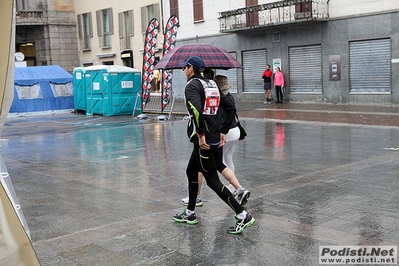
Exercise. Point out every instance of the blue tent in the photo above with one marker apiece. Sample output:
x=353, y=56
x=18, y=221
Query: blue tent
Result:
x=42, y=88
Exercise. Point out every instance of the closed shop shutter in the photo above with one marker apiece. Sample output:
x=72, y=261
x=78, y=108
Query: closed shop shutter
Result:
x=305, y=67
x=370, y=66
x=254, y=63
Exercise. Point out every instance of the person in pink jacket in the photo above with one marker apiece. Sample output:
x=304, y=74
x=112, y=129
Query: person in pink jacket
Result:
x=278, y=84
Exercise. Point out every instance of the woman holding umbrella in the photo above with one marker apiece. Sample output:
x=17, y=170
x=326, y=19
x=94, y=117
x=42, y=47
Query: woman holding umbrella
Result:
x=207, y=135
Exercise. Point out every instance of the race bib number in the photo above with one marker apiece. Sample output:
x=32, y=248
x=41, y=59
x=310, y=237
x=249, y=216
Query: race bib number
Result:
x=212, y=99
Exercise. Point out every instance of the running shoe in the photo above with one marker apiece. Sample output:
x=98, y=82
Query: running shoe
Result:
x=241, y=224
x=184, y=218
x=242, y=195
x=198, y=203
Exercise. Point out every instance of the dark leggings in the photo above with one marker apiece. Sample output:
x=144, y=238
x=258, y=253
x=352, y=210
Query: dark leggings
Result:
x=279, y=94
x=205, y=161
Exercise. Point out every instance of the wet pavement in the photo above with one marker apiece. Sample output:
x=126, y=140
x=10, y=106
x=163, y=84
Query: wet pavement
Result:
x=102, y=190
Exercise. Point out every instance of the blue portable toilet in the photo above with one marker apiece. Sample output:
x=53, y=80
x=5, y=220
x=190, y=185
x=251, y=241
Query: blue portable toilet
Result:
x=79, y=99
x=112, y=90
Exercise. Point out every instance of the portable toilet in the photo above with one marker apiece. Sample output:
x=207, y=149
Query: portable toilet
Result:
x=79, y=91
x=112, y=90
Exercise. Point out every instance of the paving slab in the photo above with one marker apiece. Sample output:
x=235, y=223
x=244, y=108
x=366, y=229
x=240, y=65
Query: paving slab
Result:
x=102, y=190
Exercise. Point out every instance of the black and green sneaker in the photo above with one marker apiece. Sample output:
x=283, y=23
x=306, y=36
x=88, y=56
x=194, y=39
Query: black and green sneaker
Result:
x=184, y=218
x=241, y=224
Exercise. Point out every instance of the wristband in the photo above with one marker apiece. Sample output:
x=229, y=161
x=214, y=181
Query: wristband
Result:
x=200, y=134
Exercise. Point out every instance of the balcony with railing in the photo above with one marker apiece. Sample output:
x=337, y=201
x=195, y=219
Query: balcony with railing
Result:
x=276, y=13
x=30, y=17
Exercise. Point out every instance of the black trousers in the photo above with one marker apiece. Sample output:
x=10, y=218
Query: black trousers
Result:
x=279, y=94
x=206, y=162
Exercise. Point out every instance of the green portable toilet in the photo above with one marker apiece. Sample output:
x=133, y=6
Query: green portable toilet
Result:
x=79, y=98
x=113, y=90
x=125, y=87
x=97, y=94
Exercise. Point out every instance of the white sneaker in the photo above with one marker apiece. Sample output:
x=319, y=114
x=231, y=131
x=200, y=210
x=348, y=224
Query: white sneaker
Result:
x=242, y=195
x=264, y=102
x=198, y=203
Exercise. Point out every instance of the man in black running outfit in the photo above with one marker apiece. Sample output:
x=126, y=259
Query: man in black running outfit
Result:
x=203, y=99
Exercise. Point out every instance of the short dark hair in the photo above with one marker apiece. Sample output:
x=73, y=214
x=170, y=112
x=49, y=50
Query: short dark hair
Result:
x=209, y=73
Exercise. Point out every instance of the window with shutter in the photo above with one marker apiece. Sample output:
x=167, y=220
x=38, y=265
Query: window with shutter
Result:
x=147, y=14
x=22, y=5
x=87, y=30
x=125, y=22
x=174, y=7
x=198, y=10
x=252, y=17
x=105, y=26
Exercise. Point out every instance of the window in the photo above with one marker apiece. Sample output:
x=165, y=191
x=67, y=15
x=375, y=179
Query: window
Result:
x=198, y=10
x=303, y=10
x=105, y=26
x=366, y=55
x=29, y=92
x=22, y=5
x=174, y=7
x=148, y=13
x=126, y=28
x=85, y=30
x=62, y=90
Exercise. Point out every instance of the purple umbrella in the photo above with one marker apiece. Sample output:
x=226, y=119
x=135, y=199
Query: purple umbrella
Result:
x=213, y=56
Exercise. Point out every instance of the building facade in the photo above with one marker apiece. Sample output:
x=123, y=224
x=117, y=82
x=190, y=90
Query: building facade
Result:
x=330, y=51
x=113, y=32
x=46, y=33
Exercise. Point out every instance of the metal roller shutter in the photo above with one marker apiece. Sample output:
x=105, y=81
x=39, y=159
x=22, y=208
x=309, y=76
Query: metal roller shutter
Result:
x=365, y=58
x=254, y=63
x=305, y=69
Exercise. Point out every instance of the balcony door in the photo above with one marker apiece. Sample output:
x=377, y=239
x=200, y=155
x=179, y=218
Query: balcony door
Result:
x=252, y=17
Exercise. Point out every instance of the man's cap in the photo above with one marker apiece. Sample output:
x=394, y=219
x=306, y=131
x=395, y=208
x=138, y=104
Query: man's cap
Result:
x=222, y=82
x=195, y=61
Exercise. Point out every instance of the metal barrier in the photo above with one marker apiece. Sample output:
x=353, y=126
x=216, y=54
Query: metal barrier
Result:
x=154, y=104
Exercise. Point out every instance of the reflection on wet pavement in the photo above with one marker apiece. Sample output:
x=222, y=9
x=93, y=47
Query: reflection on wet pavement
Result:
x=102, y=191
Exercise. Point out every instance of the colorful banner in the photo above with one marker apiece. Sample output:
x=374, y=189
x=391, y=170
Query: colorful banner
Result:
x=168, y=44
x=149, y=59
